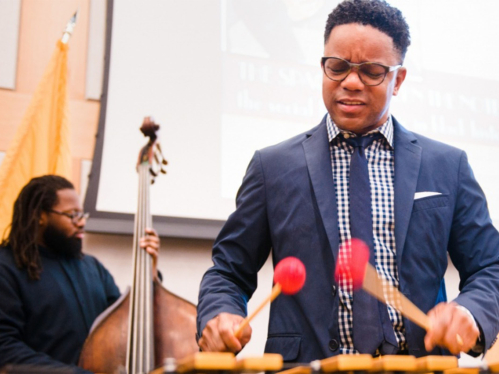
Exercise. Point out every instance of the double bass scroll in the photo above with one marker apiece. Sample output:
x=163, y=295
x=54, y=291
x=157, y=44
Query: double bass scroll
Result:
x=148, y=323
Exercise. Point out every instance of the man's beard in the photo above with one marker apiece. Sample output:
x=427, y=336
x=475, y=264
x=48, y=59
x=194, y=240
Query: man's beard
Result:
x=61, y=244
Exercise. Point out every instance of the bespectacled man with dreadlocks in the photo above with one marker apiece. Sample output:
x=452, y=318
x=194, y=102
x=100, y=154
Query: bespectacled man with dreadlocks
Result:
x=50, y=291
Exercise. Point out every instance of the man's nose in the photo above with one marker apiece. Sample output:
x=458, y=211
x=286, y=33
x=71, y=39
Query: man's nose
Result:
x=81, y=222
x=352, y=81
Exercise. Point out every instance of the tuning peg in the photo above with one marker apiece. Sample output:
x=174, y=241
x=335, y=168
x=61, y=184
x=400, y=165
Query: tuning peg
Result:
x=153, y=173
x=165, y=162
x=158, y=149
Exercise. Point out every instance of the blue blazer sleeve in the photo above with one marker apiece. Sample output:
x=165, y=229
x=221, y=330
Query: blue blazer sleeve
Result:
x=241, y=249
x=474, y=250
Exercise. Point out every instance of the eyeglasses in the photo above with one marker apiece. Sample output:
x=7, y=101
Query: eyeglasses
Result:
x=370, y=73
x=75, y=217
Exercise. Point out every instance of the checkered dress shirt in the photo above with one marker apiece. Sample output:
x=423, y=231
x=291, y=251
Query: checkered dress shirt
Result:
x=380, y=160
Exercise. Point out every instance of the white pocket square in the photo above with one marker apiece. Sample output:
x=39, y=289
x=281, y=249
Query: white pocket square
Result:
x=420, y=195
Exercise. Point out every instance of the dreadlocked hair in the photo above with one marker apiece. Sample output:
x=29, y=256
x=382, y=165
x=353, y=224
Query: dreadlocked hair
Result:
x=39, y=195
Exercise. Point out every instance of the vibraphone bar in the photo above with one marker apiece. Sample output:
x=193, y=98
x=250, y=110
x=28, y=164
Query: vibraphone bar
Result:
x=206, y=362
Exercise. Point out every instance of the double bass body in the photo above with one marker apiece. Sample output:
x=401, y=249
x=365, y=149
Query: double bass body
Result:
x=174, y=333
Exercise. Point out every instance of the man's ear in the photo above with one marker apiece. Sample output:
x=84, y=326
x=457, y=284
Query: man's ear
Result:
x=43, y=220
x=400, y=77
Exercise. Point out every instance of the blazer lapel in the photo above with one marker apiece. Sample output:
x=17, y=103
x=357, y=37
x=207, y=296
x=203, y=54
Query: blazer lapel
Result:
x=318, y=158
x=407, y=164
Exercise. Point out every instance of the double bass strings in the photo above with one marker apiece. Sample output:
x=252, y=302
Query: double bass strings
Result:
x=140, y=352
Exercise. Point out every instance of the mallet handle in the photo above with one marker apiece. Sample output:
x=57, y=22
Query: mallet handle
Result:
x=276, y=290
x=374, y=286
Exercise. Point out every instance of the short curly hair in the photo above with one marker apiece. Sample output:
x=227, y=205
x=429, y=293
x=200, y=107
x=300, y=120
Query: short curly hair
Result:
x=376, y=13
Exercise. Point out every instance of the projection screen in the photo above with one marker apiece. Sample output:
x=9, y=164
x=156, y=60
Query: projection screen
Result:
x=224, y=78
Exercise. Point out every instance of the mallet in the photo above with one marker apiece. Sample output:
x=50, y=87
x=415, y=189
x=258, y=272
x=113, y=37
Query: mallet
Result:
x=364, y=275
x=289, y=278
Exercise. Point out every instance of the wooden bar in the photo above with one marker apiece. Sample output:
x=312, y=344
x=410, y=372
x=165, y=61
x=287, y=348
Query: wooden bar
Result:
x=436, y=363
x=268, y=362
x=394, y=363
x=202, y=361
x=347, y=363
x=494, y=367
x=298, y=370
x=462, y=371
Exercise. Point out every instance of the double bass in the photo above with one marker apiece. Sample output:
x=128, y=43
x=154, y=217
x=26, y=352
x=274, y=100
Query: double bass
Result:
x=148, y=323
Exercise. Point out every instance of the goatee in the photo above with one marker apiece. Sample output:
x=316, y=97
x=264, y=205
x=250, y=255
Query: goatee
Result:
x=61, y=244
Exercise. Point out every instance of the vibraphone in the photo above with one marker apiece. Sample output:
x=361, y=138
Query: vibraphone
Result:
x=205, y=362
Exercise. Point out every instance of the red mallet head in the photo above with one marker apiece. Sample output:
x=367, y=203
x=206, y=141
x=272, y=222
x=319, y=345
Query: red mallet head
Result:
x=290, y=274
x=353, y=265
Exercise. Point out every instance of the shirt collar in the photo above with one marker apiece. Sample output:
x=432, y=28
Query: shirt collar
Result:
x=386, y=130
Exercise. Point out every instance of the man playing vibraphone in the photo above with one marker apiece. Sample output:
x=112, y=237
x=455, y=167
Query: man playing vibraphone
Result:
x=358, y=174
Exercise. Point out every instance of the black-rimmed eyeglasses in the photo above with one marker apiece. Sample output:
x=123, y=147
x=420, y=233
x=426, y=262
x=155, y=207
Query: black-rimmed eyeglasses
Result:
x=370, y=73
x=75, y=217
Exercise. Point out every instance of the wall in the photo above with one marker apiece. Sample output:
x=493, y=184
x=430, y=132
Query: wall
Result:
x=41, y=24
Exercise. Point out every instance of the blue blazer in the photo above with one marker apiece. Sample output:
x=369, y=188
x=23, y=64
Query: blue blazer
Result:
x=287, y=203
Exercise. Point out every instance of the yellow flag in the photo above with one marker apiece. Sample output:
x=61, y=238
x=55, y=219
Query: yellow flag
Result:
x=41, y=143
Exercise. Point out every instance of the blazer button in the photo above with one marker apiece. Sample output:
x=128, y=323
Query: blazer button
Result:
x=333, y=345
x=333, y=290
